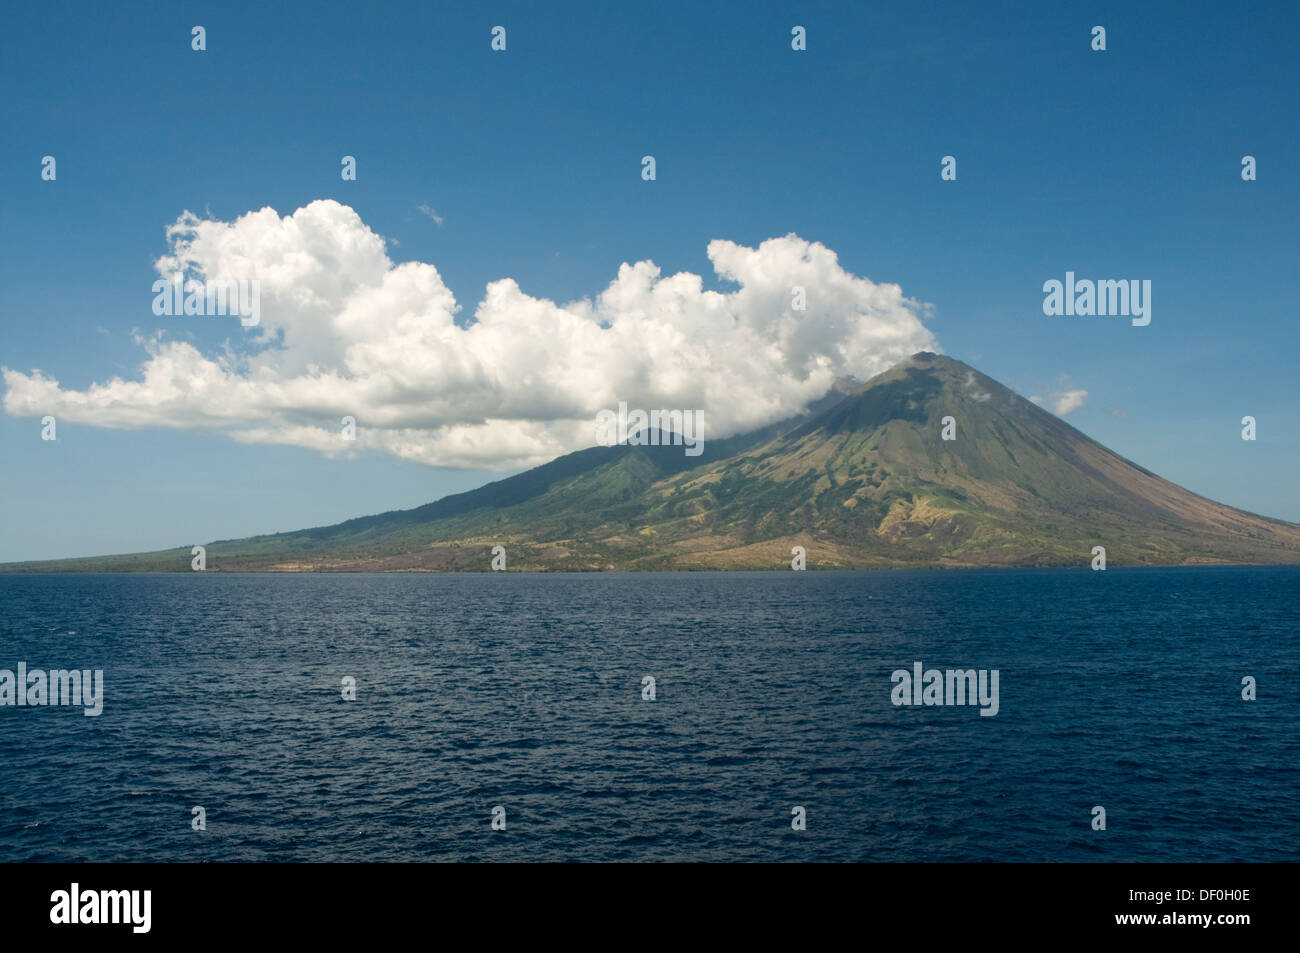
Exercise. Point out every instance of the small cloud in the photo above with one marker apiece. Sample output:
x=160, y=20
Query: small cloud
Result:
x=972, y=388
x=1062, y=402
x=432, y=213
x=101, y=329
x=1119, y=413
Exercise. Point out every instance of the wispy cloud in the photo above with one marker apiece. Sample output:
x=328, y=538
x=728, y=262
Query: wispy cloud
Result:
x=432, y=213
x=973, y=389
x=1062, y=402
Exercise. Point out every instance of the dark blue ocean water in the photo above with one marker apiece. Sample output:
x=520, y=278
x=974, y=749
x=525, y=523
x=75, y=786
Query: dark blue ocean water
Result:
x=1120, y=689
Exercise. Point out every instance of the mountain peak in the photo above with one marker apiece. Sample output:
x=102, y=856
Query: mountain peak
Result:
x=930, y=463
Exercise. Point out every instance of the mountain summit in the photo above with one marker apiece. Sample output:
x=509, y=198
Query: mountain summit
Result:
x=864, y=480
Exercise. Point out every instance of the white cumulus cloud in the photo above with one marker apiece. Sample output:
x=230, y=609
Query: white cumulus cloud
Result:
x=347, y=332
x=1062, y=402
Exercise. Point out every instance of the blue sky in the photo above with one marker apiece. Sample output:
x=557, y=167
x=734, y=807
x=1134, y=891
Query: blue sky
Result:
x=1117, y=164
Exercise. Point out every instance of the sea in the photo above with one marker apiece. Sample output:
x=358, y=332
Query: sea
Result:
x=512, y=717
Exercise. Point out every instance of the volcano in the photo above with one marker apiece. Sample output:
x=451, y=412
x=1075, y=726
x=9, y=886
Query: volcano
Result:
x=929, y=464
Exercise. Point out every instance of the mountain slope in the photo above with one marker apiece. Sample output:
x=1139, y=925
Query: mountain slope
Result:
x=872, y=482
x=866, y=480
